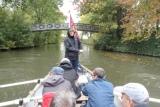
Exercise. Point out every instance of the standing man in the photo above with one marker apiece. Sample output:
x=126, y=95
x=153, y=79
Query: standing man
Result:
x=72, y=48
x=99, y=91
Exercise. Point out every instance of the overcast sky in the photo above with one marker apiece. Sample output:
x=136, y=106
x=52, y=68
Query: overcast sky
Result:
x=68, y=6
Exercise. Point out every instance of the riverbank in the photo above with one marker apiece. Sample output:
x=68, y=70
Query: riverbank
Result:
x=49, y=39
x=111, y=43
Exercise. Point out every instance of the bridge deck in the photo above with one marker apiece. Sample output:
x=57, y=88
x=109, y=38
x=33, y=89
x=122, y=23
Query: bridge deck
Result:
x=54, y=26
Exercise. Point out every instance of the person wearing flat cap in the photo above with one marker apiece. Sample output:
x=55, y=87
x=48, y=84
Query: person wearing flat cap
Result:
x=131, y=95
x=55, y=81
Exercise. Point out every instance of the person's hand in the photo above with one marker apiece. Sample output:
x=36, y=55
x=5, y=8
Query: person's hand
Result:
x=80, y=50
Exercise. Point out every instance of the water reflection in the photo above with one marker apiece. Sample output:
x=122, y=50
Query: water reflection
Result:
x=35, y=63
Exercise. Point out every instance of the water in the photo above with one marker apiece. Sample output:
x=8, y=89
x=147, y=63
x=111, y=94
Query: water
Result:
x=21, y=65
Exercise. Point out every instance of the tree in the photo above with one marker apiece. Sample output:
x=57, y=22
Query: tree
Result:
x=101, y=12
x=135, y=20
x=16, y=17
x=141, y=20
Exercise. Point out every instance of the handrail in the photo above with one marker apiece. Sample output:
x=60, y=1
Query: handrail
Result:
x=21, y=83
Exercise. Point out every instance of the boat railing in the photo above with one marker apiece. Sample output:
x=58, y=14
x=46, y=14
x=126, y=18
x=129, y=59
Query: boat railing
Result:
x=21, y=83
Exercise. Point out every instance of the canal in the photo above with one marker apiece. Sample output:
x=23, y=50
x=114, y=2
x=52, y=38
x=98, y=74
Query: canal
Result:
x=27, y=64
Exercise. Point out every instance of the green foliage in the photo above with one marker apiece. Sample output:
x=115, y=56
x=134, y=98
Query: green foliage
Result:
x=138, y=19
x=43, y=11
x=14, y=30
x=111, y=42
x=141, y=20
x=16, y=17
x=100, y=12
x=107, y=42
x=129, y=25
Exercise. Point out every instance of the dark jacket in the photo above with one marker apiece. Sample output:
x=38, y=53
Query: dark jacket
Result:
x=56, y=83
x=71, y=75
x=99, y=92
x=72, y=46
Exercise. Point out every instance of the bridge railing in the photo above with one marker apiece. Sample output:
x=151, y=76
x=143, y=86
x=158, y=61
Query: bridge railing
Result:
x=64, y=26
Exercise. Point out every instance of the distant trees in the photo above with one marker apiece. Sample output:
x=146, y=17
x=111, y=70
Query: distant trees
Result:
x=138, y=19
x=141, y=20
x=100, y=12
x=16, y=17
x=127, y=25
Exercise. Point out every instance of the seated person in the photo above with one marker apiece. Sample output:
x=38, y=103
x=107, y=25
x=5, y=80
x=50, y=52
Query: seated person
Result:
x=55, y=81
x=64, y=99
x=98, y=90
x=70, y=74
x=131, y=95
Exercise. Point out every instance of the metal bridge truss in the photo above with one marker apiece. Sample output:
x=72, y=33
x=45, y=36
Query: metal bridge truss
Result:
x=64, y=26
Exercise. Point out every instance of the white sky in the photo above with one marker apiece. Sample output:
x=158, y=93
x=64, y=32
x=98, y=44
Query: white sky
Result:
x=68, y=6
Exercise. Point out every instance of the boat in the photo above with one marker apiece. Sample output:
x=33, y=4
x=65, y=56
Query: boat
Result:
x=35, y=95
x=34, y=99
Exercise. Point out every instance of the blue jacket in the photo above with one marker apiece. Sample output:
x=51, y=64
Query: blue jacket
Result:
x=99, y=92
